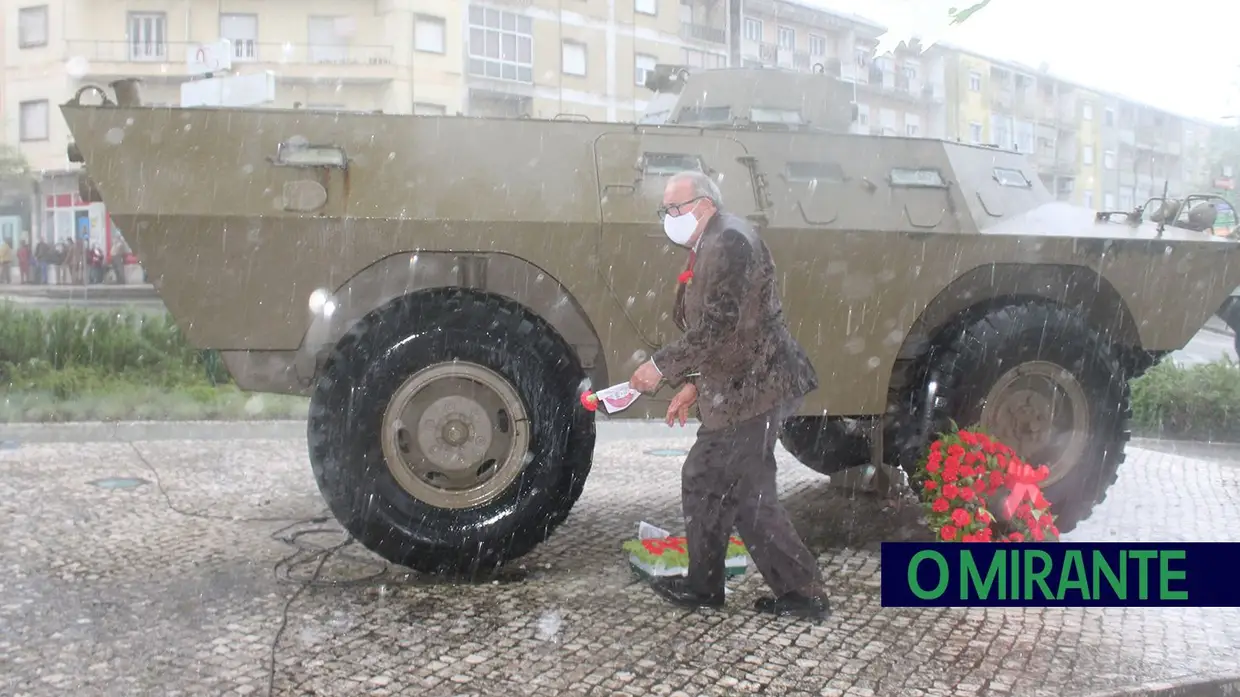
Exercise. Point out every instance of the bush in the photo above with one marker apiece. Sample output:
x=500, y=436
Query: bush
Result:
x=1198, y=402
x=73, y=351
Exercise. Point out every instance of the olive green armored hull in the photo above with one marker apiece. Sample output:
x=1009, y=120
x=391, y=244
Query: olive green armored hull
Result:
x=878, y=240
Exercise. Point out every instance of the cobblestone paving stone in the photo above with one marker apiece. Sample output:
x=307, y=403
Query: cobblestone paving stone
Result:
x=112, y=592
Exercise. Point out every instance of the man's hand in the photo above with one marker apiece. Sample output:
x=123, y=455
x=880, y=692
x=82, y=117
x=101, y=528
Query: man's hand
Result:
x=679, y=408
x=646, y=378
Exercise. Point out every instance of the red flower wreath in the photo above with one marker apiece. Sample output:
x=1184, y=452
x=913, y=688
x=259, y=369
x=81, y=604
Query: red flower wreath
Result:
x=961, y=476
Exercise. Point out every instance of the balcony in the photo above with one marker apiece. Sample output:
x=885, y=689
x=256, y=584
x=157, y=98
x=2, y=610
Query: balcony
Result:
x=703, y=33
x=1003, y=99
x=296, y=62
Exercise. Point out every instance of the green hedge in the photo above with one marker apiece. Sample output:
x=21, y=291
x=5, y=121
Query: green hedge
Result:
x=1200, y=402
x=80, y=364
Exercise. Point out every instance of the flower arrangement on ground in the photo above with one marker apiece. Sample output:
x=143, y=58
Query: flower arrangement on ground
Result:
x=657, y=553
x=966, y=477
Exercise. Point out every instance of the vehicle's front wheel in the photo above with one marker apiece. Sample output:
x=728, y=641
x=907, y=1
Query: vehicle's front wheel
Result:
x=1040, y=379
x=445, y=435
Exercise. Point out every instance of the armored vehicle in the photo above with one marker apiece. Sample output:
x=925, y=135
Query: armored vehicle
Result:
x=443, y=288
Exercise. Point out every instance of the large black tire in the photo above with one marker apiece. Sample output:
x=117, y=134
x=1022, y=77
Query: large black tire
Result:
x=368, y=368
x=978, y=353
x=825, y=445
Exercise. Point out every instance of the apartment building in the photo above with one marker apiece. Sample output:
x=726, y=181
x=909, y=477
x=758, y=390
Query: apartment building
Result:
x=900, y=95
x=1090, y=147
x=541, y=58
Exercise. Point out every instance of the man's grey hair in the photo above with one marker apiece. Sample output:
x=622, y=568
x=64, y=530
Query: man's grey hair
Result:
x=703, y=185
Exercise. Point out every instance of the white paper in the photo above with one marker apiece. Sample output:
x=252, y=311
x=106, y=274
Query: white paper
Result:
x=646, y=531
x=617, y=397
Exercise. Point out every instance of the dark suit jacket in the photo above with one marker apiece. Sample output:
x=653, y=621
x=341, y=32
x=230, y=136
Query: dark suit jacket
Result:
x=735, y=333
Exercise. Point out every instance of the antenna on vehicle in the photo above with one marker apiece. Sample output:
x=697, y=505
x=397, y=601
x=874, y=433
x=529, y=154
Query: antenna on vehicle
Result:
x=1162, y=223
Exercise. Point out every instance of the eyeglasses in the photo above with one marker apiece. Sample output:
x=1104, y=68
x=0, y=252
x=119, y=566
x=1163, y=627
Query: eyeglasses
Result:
x=676, y=209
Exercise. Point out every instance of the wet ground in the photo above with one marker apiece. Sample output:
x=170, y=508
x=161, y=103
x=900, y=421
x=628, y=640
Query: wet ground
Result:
x=168, y=587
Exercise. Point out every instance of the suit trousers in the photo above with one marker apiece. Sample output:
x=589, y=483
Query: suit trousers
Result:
x=729, y=480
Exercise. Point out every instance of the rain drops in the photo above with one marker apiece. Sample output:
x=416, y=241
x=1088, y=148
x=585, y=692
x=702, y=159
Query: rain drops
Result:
x=115, y=135
x=322, y=303
x=77, y=66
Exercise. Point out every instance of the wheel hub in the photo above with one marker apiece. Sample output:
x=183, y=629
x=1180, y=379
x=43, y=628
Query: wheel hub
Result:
x=1040, y=410
x=455, y=435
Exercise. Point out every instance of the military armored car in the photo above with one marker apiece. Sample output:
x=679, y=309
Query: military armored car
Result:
x=442, y=288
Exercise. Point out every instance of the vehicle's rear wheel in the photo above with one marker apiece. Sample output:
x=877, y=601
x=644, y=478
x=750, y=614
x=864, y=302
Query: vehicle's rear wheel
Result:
x=445, y=432
x=825, y=445
x=1039, y=378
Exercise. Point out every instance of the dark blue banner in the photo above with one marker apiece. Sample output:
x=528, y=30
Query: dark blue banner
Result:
x=1061, y=574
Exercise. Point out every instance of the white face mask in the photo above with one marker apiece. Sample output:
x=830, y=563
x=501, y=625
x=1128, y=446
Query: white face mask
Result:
x=680, y=229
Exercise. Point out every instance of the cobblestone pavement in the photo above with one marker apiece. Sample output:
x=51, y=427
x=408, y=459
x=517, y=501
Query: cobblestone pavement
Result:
x=132, y=591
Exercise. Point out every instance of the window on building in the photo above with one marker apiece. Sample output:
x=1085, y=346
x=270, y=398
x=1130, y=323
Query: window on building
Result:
x=862, y=57
x=1088, y=199
x=1108, y=159
x=429, y=34
x=1087, y=155
x=912, y=125
x=1108, y=116
x=975, y=133
x=32, y=27
x=501, y=44
x=975, y=81
x=1087, y=111
x=753, y=29
x=573, y=58
x=646, y=7
x=887, y=121
x=242, y=31
x=1125, y=200
x=1108, y=202
x=863, y=114
x=148, y=36
x=909, y=71
x=704, y=59
x=428, y=109
x=643, y=65
x=788, y=38
x=817, y=45
x=328, y=39
x=34, y=120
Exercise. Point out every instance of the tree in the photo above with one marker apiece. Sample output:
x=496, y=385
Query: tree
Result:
x=959, y=16
x=14, y=169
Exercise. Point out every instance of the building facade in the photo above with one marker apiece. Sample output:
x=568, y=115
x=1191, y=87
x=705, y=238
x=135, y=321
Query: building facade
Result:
x=1090, y=147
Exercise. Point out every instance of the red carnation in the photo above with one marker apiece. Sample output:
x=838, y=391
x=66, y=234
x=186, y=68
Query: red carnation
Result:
x=948, y=533
x=931, y=485
x=966, y=494
x=940, y=505
x=961, y=518
x=1016, y=537
x=951, y=491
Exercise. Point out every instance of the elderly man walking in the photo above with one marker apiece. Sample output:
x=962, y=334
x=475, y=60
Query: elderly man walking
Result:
x=751, y=375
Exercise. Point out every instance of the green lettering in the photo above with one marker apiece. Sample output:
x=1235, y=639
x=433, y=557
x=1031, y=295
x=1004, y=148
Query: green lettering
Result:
x=1014, y=564
x=1073, y=562
x=1143, y=577
x=912, y=574
x=1165, y=574
x=1038, y=577
x=1103, y=568
x=970, y=578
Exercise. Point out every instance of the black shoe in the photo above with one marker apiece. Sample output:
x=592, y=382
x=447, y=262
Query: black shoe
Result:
x=795, y=605
x=675, y=589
